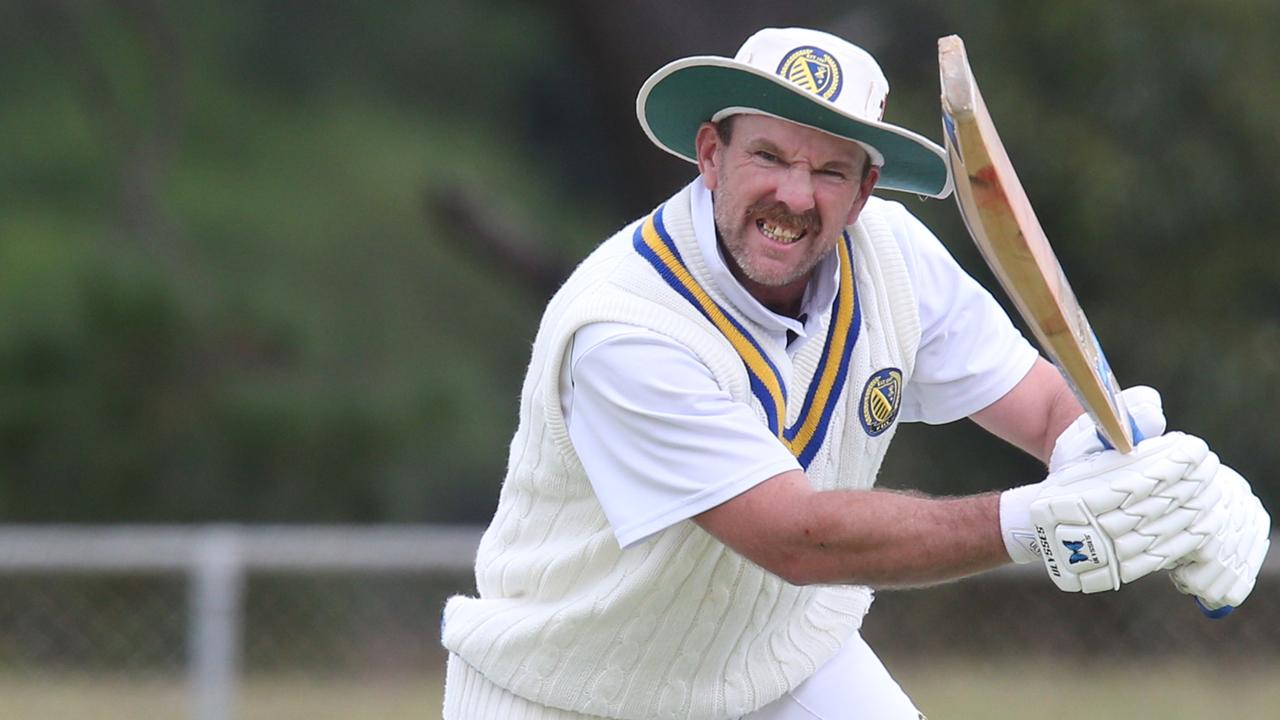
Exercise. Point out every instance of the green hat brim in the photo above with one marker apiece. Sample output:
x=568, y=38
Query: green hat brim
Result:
x=677, y=99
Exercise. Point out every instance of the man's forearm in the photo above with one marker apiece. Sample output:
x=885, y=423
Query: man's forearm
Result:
x=890, y=539
x=872, y=537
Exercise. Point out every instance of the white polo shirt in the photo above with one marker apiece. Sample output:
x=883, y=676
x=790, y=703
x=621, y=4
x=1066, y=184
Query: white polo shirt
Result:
x=662, y=442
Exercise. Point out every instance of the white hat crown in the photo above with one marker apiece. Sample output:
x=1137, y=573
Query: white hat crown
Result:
x=834, y=69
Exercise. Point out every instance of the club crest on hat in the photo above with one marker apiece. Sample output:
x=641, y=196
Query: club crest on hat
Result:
x=881, y=399
x=813, y=69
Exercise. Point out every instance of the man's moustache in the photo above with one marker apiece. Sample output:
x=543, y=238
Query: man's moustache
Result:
x=777, y=213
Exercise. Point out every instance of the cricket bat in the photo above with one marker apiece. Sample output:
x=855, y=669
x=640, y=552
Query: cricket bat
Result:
x=1000, y=219
x=1002, y=223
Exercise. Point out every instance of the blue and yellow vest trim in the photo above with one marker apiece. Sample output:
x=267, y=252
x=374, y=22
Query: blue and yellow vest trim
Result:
x=803, y=439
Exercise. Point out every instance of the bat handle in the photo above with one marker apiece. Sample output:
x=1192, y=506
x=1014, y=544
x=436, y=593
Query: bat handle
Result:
x=1212, y=614
x=1133, y=430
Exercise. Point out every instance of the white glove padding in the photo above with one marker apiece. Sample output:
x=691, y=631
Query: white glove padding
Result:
x=1081, y=440
x=1114, y=518
x=1235, y=534
x=1016, y=526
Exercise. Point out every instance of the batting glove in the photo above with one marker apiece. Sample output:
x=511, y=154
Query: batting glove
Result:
x=1112, y=518
x=1234, y=536
x=1080, y=439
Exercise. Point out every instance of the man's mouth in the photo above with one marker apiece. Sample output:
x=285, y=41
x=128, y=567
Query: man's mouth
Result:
x=779, y=233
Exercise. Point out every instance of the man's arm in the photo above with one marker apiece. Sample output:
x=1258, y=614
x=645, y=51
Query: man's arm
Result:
x=871, y=537
x=884, y=538
x=1034, y=413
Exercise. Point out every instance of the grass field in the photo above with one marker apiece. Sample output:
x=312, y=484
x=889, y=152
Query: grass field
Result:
x=951, y=689
x=1177, y=690
x=82, y=697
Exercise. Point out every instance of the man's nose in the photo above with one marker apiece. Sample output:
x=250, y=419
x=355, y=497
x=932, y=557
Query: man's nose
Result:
x=795, y=189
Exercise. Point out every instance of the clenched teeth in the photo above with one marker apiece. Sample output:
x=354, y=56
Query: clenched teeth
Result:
x=778, y=233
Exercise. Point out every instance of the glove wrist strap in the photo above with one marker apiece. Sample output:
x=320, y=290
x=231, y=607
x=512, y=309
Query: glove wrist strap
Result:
x=1015, y=524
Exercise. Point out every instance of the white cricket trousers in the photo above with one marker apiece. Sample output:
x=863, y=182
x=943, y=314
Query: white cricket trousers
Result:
x=854, y=685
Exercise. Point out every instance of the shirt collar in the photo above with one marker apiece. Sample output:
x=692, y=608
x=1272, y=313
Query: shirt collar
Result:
x=818, y=294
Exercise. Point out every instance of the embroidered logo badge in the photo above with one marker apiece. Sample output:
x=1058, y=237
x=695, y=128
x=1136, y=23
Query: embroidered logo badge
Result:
x=1075, y=548
x=813, y=69
x=881, y=398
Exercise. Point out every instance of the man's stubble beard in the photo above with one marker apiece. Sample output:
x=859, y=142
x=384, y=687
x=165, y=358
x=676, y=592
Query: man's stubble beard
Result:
x=731, y=231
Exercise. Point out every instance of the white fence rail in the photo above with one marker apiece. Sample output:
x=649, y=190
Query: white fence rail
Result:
x=216, y=560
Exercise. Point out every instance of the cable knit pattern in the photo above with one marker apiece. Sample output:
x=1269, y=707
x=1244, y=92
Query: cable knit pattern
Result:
x=679, y=627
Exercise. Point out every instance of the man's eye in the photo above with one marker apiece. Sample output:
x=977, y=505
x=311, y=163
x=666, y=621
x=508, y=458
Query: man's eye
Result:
x=766, y=156
x=834, y=174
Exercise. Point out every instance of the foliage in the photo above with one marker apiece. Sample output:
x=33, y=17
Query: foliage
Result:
x=226, y=294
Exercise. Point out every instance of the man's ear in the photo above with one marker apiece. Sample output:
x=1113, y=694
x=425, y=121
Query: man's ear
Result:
x=864, y=191
x=706, y=144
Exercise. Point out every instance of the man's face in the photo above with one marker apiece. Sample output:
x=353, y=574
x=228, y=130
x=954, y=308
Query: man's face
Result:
x=783, y=194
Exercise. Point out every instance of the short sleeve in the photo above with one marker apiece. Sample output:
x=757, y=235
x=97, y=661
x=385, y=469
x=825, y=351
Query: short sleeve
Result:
x=660, y=440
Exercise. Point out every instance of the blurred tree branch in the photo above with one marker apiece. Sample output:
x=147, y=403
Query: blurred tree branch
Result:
x=497, y=239
x=144, y=141
x=152, y=149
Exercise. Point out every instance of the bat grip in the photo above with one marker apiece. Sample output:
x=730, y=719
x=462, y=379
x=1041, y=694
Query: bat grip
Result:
x=1133, y=430
x=1211, y=613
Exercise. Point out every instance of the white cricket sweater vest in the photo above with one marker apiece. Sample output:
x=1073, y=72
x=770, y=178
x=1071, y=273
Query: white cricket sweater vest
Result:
x=680, y=626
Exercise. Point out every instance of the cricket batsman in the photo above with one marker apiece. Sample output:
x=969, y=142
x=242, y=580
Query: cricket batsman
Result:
x=689, y=528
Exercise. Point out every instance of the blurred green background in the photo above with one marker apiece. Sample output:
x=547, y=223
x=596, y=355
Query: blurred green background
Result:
x=283, y=261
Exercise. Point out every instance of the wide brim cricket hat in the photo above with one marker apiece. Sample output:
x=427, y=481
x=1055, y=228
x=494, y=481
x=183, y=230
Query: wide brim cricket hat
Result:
x=804, y=76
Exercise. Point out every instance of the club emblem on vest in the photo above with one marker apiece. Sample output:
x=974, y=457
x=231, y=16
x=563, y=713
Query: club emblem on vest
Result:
x=813, y=69
x=881, y=398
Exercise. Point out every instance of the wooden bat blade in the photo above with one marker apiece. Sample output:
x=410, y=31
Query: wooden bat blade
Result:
x=1002, y=223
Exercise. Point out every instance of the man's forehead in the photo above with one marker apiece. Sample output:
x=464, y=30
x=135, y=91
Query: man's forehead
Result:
x=785, y=133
